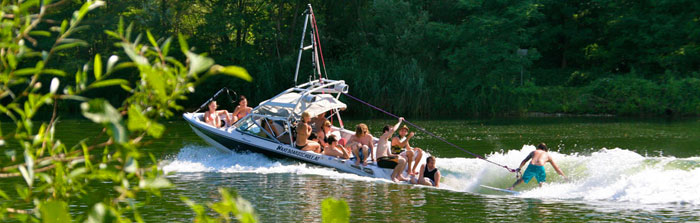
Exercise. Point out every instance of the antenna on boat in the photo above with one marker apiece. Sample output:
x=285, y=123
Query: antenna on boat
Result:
x=301, y=46
x=216, y=95
x=315, y=45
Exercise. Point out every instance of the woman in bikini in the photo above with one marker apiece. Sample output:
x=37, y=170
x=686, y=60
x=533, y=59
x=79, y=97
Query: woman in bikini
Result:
x=241, y=110
x=212, y=117
x=303, y=133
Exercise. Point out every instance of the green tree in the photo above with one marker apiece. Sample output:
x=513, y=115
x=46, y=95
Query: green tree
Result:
x=56, y=174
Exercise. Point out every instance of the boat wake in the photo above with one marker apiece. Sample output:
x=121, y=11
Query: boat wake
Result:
x=197, y=159
x=615, y=175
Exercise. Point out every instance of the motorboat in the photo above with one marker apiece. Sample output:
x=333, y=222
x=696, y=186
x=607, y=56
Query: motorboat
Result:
x=269, y=128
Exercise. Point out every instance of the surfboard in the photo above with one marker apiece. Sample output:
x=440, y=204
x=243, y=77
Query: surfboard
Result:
x=501, y=190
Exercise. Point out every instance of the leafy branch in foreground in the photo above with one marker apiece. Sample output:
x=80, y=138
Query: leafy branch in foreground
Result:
x=56, y=174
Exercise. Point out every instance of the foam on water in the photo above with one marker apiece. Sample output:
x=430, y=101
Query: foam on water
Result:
x=607, y=175
x=196, y=159
x=616, y=175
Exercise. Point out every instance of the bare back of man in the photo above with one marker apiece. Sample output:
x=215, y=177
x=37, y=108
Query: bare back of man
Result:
x=540, y=158
x=537, y=158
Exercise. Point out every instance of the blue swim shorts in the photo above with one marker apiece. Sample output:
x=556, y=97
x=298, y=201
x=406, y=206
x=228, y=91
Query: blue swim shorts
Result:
x=534, y=171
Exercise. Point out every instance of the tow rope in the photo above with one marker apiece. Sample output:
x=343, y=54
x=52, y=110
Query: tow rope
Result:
x=433, y=135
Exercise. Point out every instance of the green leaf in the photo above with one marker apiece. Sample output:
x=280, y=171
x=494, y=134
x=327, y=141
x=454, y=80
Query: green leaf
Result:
x=155, y=183
x=183, y=43
x=155, y=80
x=120, y=27
x=137, y=122
x=71, y=40
x=128, y=31
x=334, y=210
x=100, y=214
x=69, y=45
x=126, y=87
x=198, y=63
x=118, y=132
x=12, y=60
x=77, y=172
x=112, y=34
x=40, y=33
x=151, y=39
x=110, y=63
x=27, y=71
x=138, y=59
x=54, y=211
x=235, y=71
x=28, y=172
x=100, y=111
x=4, y=195
x=54, y=72
x=64, y=26
x=25, y=175
x=108, y=82
x=98, y=67
x=166, y=46
x=131, y=165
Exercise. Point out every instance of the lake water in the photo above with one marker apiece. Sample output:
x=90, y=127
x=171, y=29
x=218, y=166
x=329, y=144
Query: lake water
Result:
x=619, y=170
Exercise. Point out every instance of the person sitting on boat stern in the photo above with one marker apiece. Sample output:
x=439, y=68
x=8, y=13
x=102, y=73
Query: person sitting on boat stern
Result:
x=323, y=133
x=401, y=146
x=429, y=174
x=303, y=133
x=241, y=110
x=335, y=150
x=387, y=160
x=536, y=168
x=212, y=117
x=361, y=144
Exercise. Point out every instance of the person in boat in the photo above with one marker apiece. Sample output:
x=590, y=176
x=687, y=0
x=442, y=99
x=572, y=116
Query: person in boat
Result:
x=212, y=116
x=429, y=174
x=303, y=133
x=241, y=110
x=323, y=133
x=361, y=144
x=384, y=157
x=400, y=145
x=536, y=168
x=335, y=150
x=318, y=121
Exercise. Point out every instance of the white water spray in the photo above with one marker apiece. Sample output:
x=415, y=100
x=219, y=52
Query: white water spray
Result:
x=616, y=175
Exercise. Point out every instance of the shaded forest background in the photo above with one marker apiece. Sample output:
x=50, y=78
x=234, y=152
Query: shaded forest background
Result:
x=434, y=58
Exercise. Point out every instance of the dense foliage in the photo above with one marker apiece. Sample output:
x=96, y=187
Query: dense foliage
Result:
x=59, y=179
x=416, y=57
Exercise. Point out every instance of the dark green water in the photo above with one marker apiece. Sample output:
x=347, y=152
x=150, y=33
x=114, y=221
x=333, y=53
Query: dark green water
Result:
x=620, y=170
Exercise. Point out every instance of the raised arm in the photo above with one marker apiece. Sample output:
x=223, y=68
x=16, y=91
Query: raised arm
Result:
x=396, y=126
x=391, y=131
